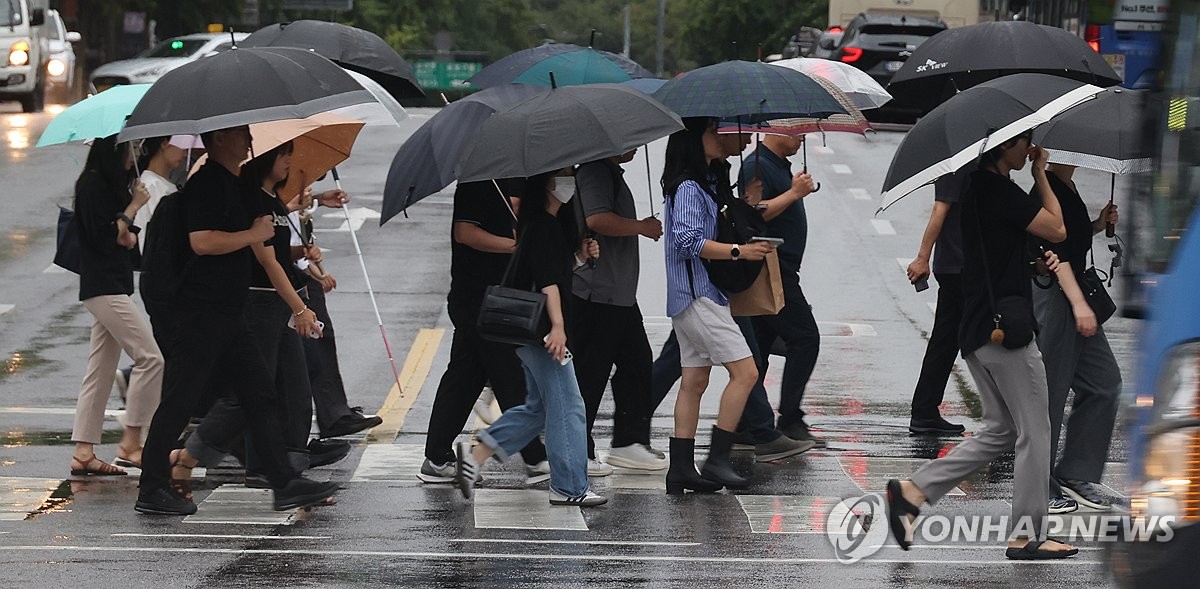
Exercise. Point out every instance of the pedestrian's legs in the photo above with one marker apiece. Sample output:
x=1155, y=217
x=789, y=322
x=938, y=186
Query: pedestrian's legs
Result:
x=328, y=390
x=942, y=350
x=1057, y=335
x=503, y=370
x=565, y=423
x=1097, y=386
x=255, y=391
x=758, y=418
x=458, y=389
x=594, y=338
x=631, y=382
x=103, y=357
x=665, y=371
x=797, y=326
x=687, y=402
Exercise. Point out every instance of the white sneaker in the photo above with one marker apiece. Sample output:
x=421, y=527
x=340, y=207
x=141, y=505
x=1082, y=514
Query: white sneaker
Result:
x=436, y=473
x=537, y=473
x=598, y=469
x=485, y=406
x=588, y=499
x=636, y=456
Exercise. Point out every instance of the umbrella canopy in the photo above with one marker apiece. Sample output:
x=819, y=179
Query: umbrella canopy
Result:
x=645, y=85
x=572, y=65
x=962, y=57
x=426, y=162
x=384, y=112
x=747, y=91
x=240, y=87
x=319, y=143
x=352, y=48
x=99, y=115
x=864, y=92
x=975, y=120
x=852, y=122
x=563, y=127
x=1104, y=134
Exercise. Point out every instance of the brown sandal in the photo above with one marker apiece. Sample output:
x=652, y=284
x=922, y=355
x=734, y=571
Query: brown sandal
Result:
x=94, y=466
x=182, y=487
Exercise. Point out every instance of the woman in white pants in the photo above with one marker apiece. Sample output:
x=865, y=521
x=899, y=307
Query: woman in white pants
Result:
x=104, y=212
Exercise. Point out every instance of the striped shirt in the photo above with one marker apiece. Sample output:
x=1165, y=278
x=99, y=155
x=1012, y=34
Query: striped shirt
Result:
x=691, y=220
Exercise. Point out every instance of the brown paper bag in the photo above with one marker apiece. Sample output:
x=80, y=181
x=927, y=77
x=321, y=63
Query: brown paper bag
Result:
x=765, y=296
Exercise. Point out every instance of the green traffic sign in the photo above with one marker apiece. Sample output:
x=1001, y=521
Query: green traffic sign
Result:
x=445, y=75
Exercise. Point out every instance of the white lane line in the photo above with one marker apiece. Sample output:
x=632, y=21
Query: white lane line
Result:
x=6, y=308
x=841, y=169
x=703, y=559
x=883, y=226
x=524, y=509
x=222, y=536
x=54, y=411
x=862, y=330
x=859, y=193
x=585, y=542
x=54, y=269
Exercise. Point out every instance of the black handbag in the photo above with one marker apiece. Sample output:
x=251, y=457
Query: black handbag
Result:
x=67, y=254
x=512, y=315
x=1097, y=296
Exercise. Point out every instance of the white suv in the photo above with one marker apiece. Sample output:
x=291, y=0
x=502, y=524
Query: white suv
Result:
x=60, y=70
x=151, y=64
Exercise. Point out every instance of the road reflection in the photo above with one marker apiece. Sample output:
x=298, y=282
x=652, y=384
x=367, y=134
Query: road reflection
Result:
x=21, y=130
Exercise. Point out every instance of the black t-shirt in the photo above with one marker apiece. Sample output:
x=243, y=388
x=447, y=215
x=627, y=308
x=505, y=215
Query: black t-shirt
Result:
x=261, y=204
x=947, y=251
x=478, y=203
x=546, y=258
x=1078, y=222
x=214, y=202
x=105, y=268
x=995, y=215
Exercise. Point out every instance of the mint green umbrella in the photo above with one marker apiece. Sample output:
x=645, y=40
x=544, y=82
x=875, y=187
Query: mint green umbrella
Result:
x=99, y=115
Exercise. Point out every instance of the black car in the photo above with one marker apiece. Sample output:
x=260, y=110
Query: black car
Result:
x=879, y=42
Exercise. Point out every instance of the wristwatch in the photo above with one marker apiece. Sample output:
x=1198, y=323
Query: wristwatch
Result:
x=134, y=229
x=734, y=251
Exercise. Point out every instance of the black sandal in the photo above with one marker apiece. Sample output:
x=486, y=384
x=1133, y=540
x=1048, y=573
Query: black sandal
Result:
x=898, y=510
x=1032, y=550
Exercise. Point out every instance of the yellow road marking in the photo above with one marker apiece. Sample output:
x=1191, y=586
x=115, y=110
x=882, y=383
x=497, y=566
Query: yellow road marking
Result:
x=412, y=377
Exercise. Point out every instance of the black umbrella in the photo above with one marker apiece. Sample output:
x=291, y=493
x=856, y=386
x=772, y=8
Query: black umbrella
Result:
x=1105, y=134
x=425, y=163
x=349, y=47
x=561, y=127
x=747, y=92
x=973, y=121
x=962, y=57
x=240, y=87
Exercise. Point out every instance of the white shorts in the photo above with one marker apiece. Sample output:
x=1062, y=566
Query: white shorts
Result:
x=708, y=335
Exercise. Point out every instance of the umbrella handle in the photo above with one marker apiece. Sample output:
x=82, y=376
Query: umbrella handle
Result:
x=1110, y=230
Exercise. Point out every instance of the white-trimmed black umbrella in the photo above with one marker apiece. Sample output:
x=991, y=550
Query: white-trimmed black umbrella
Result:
x=561, y=127
x=959, y=130
x=240, y=87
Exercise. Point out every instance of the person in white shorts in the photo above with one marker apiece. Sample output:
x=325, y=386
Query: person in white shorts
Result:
x=695, y=171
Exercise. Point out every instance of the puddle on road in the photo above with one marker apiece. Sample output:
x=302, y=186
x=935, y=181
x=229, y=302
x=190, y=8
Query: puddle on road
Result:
x=19, y=240
x=57, y=501
x=60, y=330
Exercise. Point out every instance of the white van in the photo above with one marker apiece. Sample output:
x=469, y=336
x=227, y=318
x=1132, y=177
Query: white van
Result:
x=24, y=52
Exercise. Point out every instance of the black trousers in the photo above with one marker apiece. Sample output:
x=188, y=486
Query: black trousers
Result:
x=202, y=341
x=797, y=327
x=283, y=355
x=942, y=349
x=474, y=362
x=604, y=336
x=328, y=391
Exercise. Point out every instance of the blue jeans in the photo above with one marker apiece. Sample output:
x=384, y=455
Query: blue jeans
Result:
x=553, y=403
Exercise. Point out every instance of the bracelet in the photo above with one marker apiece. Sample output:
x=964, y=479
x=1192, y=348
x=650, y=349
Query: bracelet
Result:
x=301, y=312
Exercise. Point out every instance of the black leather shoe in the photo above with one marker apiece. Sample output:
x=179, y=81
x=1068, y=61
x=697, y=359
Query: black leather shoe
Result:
x=352, y=424
x=935, y=425
x=323, y=452
x=302, y=492
x=799, y=431
x=163, y=502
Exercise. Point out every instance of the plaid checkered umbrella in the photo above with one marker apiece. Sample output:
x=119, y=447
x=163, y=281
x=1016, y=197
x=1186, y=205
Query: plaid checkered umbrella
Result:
x=749, y=92
x=852, y=122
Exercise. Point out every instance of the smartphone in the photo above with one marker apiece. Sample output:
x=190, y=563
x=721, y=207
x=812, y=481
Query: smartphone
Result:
x=775, y=241
x=921, y=284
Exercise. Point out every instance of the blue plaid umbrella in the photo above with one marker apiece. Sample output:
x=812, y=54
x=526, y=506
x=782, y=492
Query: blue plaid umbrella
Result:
x=572, y=65
x=749, y=92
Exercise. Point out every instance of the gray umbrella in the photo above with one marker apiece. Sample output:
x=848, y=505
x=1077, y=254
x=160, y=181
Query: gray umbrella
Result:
x=562, y=127
x=1105, y=134
x=240, y=87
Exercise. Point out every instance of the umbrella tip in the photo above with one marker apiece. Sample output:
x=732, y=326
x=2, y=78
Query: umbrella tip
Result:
x=592, y=40
x=553, y=82
x=233, y=39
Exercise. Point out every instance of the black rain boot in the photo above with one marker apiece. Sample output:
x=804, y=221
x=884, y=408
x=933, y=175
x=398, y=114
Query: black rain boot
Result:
x=682, y=475
x=717, y=468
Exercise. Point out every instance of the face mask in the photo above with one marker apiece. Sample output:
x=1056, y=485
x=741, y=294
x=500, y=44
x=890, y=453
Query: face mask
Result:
x=564, y=188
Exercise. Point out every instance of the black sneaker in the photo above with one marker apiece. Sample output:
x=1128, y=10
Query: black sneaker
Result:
x=326, y=452
x=302, y=492
x=257, y=481
x=782, y=447
x=1059, y=505
x=163, y=502
x=1087, y=494
x=799, y=431
x=352, y=424
x=936, y=425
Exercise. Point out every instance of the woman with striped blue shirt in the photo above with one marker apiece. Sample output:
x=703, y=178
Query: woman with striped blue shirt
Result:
x=694, y=173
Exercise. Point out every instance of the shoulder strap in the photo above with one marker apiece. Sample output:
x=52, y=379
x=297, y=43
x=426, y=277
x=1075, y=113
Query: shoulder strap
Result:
x=512, y=262
x=987, y=275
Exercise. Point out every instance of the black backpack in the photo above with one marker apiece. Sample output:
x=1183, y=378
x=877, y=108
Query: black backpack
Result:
x=166, y=251
x=737, y=222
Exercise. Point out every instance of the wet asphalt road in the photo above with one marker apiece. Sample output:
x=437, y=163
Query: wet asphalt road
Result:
x=389, y=529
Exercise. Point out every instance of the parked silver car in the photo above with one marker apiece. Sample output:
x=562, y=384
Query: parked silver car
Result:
x=151, y=64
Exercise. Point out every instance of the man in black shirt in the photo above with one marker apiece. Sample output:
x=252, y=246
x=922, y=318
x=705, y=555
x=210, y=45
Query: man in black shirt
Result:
x=482, y=242
x=210, y=332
